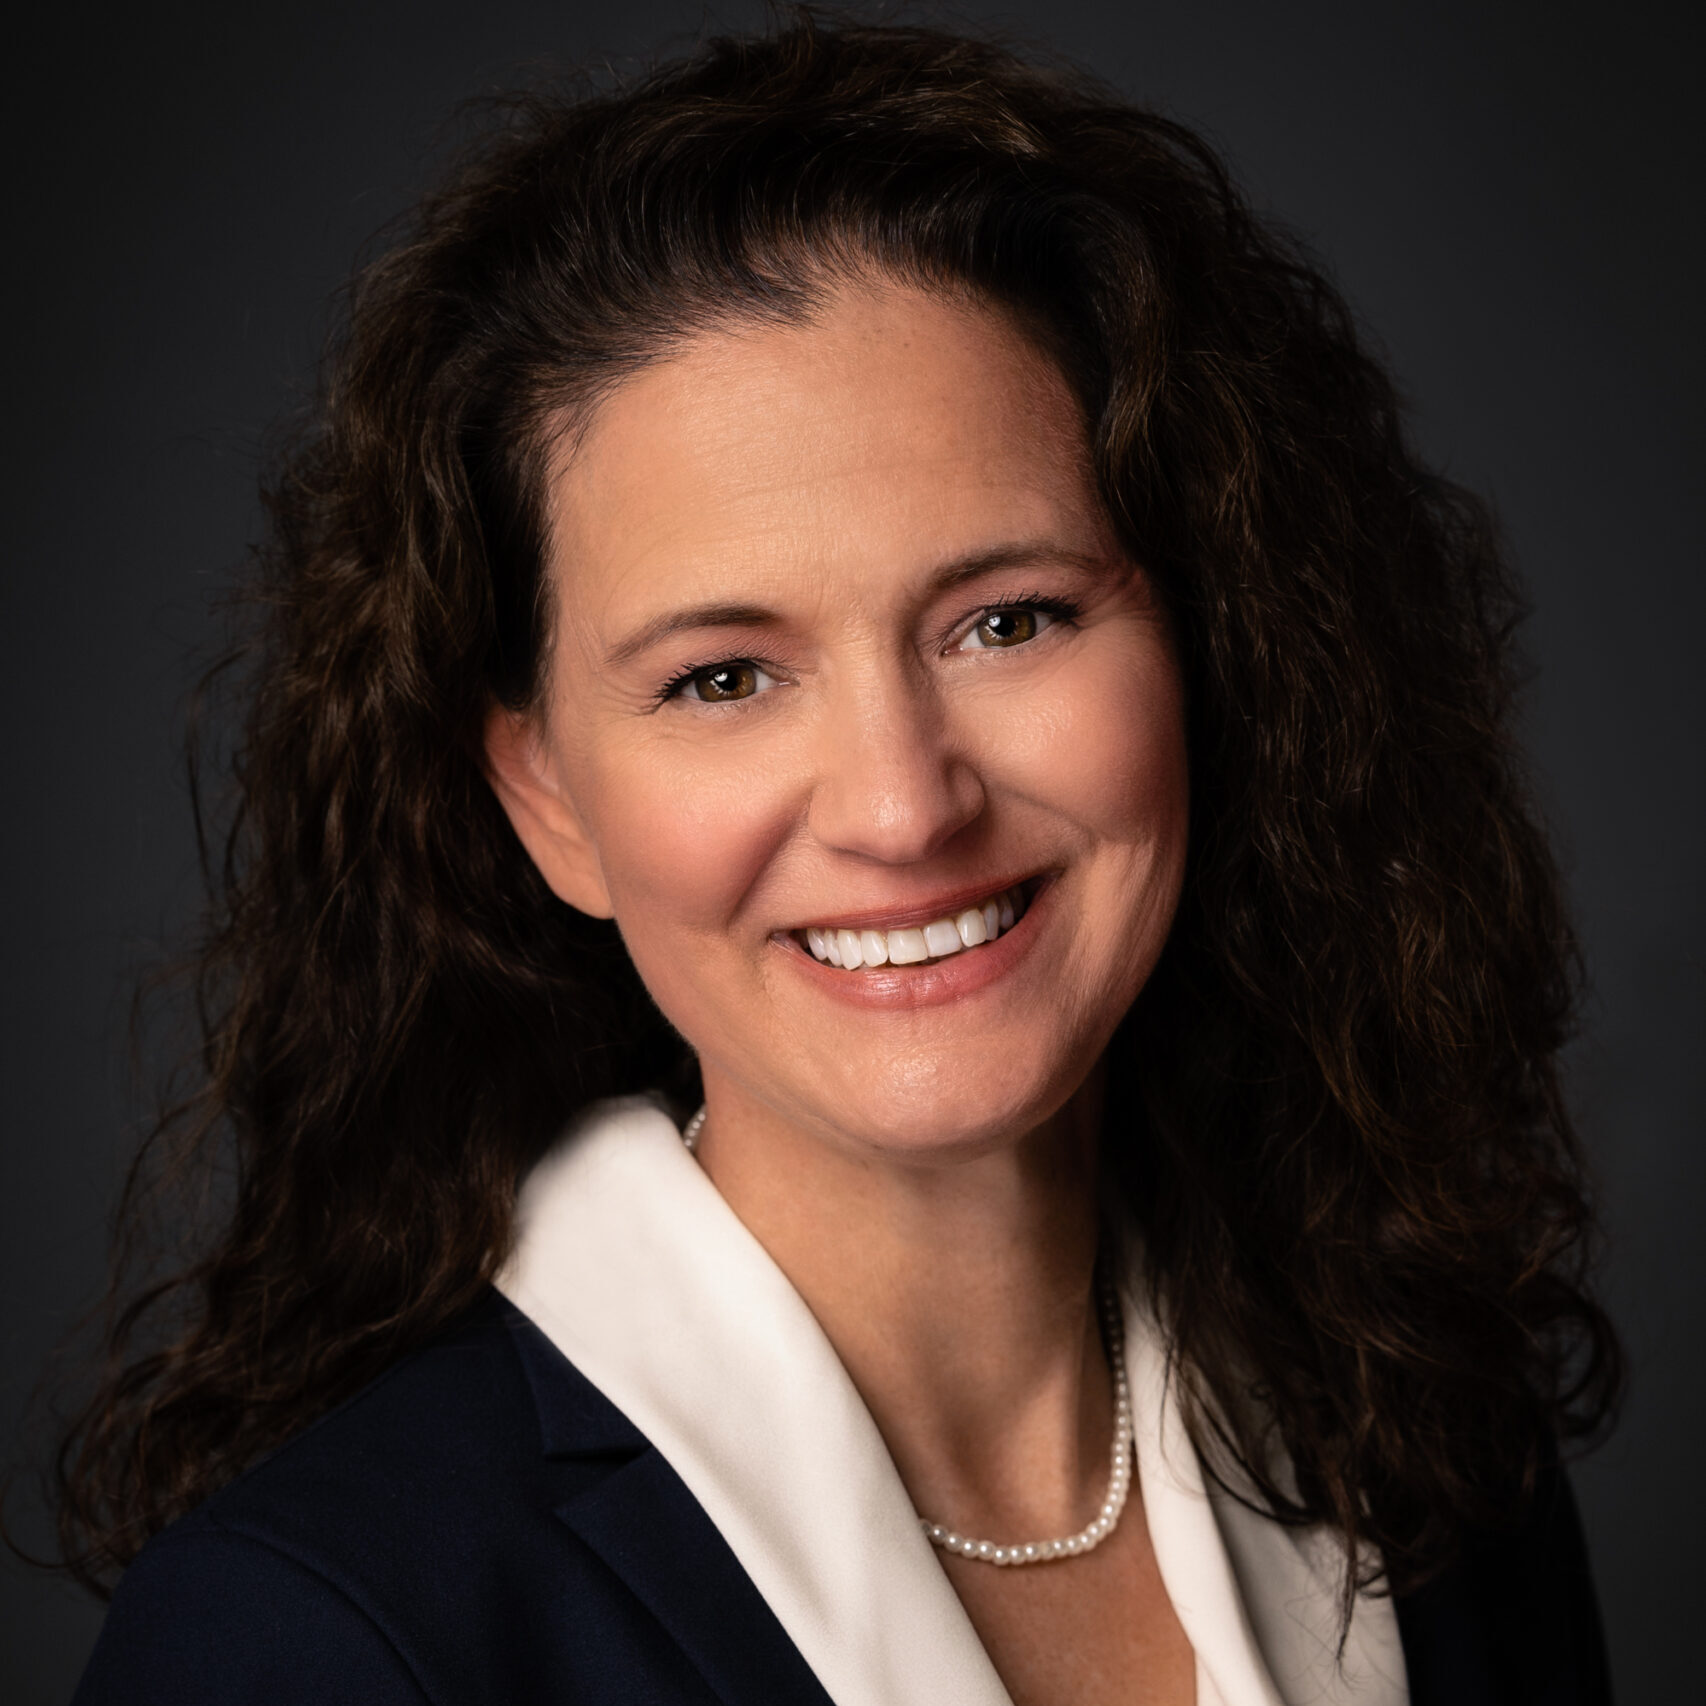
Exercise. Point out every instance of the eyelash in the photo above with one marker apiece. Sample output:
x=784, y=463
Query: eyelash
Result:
x=671, y=689
x=1061, y=609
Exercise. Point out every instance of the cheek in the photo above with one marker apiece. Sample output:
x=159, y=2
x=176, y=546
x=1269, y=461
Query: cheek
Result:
x=683, y=836
x=1103, y=744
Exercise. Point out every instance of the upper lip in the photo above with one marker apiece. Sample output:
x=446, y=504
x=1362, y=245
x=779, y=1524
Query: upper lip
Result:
x=898, y=917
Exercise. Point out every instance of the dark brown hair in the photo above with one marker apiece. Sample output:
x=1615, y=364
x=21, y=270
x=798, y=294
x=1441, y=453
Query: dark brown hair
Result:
x=1336, y=1108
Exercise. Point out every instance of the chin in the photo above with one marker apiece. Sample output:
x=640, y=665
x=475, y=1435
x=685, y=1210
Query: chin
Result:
x=923, y=1112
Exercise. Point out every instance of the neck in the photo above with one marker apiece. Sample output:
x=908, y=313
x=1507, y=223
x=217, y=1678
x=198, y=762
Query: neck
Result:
x=959, y=1295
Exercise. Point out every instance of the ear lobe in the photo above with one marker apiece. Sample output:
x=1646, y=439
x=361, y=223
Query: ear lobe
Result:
x=527, y=781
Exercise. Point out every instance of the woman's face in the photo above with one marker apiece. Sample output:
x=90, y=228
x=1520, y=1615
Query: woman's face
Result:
x=846, y=643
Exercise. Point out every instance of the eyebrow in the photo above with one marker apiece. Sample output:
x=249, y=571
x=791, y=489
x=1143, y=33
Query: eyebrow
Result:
x=695, y=617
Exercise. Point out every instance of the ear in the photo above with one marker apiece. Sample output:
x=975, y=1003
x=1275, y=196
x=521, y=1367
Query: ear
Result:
x=529, y=785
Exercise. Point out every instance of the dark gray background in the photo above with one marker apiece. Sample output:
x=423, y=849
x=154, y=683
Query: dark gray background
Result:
x=1510, y=194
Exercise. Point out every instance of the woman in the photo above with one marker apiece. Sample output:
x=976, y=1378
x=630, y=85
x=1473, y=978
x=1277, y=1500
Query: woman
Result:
x=852, y=588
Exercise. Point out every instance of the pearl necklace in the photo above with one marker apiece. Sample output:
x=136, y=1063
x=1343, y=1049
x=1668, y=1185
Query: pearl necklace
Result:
x=1088, y=1538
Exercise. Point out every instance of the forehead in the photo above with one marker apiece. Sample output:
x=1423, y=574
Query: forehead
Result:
x=893, y=430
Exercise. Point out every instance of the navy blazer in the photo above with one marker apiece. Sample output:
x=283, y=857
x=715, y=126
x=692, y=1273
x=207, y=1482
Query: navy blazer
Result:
x=482, y=1527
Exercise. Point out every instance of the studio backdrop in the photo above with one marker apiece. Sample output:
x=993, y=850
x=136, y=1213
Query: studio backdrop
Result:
x=1510, y=194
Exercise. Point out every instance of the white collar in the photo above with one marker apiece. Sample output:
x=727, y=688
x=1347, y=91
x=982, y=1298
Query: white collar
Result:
x=631, y=1263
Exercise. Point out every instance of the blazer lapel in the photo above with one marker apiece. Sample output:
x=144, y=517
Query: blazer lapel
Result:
x=623, y=1501
x=649, y=1529
x=1258, y=1600
x=633, y=1266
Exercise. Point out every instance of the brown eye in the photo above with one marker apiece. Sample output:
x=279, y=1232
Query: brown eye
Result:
x=1007, y=625
x=718, y=683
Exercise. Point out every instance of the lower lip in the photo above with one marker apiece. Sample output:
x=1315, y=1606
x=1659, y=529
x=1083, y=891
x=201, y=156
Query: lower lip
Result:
x=936, y=981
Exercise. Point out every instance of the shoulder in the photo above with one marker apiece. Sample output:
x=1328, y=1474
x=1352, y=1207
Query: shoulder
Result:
x=414, y=1520
x=448, y=1434
x=430, y=1460
x=1515, y=1617
x=205, y=1615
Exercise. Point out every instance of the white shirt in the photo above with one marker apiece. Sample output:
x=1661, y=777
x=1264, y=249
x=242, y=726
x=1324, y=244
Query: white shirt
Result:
x=629, y=1260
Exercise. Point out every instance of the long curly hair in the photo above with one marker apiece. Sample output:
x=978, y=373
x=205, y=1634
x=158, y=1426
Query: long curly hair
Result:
x=1335, y=1109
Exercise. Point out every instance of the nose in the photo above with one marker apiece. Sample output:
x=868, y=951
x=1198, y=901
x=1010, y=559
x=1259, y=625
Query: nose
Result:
x=891, y=783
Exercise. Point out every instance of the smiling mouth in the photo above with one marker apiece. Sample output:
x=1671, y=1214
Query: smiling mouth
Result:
x=954, y=933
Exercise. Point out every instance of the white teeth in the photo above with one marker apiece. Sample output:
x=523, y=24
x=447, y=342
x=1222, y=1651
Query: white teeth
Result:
x=851, y=949
x=908, y=947
x=941, y=938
